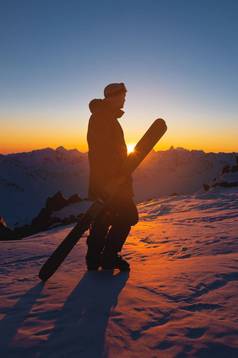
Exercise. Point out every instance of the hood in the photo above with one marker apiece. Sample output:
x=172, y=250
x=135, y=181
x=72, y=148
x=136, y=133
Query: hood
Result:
x=100, y=105
x=96, y=105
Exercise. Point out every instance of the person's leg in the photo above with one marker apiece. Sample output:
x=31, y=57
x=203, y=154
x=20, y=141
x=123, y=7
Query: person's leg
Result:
x=116, y=237
x=125, y=215
x=96, y=241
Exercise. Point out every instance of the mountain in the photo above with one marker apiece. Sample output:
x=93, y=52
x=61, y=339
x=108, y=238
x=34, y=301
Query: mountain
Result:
x=179, y=300
x=178, y=171
x=228, y=179
x=27, y=179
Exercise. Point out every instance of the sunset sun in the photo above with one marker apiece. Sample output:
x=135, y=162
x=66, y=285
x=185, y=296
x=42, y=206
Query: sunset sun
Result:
x=130, y=147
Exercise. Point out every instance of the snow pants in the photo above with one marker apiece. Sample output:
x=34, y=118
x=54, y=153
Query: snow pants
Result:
x=109, y=231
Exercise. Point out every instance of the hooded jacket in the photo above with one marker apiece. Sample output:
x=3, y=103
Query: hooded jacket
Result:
x=107, y=149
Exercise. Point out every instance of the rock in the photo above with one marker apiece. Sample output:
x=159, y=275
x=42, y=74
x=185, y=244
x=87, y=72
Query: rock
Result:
x=56, y=202
x=44, y=219
x=74, y=199
x=226, y=169
x=225, y=184
x=24, y=231
x=5, y=232
x=206, y=187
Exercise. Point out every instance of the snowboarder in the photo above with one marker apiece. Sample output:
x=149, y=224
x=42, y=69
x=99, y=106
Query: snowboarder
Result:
x=107, y=155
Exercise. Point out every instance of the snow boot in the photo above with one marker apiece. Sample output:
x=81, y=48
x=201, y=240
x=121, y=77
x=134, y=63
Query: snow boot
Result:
x=95, y=242
x=114, y=262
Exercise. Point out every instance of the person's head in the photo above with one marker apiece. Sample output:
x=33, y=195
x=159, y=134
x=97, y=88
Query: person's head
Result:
x=115, y=94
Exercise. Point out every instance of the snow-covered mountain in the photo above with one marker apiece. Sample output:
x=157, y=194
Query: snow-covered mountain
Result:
x=179, y=300
x=27, y=179
x=178, y=171
x=228, y=179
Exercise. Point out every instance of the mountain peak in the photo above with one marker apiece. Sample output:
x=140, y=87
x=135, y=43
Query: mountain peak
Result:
x=61, y=149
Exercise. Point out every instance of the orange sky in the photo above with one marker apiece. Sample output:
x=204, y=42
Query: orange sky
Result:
x=38, y=130
x=27, y=140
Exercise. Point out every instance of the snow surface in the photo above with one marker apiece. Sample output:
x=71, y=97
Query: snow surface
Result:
x=72, y=209
x=179, y=300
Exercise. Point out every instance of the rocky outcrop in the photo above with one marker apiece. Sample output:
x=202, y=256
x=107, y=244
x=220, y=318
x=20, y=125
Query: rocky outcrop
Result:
x=44, y=220
x=74, y=199
x=56, y=202
x=5, y=232
x=227, y=179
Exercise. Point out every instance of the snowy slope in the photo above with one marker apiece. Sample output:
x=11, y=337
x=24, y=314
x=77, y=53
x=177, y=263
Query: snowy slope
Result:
x=179, y=300
x=178, y=171
x=27, y=179
x=227, y=180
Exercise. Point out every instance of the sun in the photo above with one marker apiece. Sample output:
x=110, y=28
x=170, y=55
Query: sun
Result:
x=130, y=147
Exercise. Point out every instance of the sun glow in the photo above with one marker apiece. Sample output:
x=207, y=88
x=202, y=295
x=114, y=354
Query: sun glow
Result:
x=130, y=147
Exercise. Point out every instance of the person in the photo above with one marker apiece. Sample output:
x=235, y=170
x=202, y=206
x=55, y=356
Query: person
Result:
x=107, y=155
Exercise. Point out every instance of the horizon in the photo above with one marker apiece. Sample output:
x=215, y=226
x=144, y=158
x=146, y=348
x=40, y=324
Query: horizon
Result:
x=54, y=61
x=155, y=150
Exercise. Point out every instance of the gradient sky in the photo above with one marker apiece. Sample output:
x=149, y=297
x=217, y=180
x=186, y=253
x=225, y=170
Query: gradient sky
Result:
x=178, y=58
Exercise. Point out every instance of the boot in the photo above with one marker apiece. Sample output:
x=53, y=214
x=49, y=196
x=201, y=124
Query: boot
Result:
x=114, y=262
x=95, y=243
x=116, y=238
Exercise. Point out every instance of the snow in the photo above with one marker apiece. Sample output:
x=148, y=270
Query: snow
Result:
x=179, y=300
x=72, y=209
x=27, y=179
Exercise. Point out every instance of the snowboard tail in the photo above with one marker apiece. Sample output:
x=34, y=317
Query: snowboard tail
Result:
x=143, y=147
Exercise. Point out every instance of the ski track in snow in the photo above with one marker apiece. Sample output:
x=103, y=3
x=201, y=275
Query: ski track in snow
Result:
x=179, y=300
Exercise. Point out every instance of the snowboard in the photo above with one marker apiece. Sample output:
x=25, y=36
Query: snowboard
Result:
x=142, y=148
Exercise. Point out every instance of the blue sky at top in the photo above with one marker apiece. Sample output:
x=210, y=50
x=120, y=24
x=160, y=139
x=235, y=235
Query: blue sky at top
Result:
x=178, y=59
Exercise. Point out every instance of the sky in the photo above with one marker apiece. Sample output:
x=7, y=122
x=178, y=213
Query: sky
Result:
x=178, y=59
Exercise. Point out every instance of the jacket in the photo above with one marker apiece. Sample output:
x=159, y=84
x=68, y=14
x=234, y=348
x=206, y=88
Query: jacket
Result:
x=107, y=149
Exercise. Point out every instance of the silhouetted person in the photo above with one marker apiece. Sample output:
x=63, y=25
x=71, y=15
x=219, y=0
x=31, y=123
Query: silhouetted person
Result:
x=107, y=155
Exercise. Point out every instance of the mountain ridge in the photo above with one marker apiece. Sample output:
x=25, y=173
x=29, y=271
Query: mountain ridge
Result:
x=27, y=179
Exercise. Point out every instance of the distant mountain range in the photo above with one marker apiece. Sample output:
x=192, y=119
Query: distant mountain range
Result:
x=27, y=179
